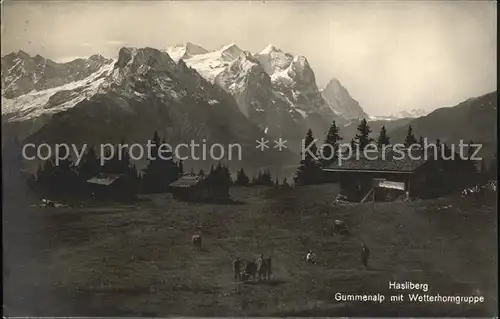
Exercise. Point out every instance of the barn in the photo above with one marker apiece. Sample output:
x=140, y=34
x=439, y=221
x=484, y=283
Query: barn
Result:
x=197, y=187
x=392, y=175
x=109, y=186
x=190, y=187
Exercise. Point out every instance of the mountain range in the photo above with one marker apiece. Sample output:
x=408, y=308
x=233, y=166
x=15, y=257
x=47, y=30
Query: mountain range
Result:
x=184, y=92
x=474, y=119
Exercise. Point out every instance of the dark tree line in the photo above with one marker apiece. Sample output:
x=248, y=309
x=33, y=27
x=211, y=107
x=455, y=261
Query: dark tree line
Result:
x=263, y=178
x=460, y=171
x=70, y=180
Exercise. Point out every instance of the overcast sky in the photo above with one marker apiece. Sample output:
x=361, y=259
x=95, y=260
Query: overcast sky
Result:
x=389, y=55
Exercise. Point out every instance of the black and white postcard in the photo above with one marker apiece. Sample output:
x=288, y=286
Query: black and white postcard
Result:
x=249, y=158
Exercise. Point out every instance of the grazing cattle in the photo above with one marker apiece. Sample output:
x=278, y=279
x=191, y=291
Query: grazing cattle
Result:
x=340, y=228
x=244, y=276
x=250, y=270
x=197, y=241
x=310, y=257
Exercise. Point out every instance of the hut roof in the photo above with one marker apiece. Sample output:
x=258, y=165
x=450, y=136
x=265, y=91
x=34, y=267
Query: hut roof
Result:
x=104, y=179
x=188, y=180
x=390, y=162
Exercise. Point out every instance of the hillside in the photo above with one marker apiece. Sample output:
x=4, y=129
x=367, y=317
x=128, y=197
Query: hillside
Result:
x=474, y=119
x=137, y=260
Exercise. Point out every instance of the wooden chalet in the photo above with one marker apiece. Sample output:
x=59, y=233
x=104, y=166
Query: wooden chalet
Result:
x=395, y=174
x=109, y=186
x=196, y=187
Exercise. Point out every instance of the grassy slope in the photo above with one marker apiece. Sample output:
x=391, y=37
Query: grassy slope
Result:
x=138, y=260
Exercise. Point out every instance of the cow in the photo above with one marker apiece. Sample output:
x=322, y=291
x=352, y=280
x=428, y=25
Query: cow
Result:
x=244, y=276
x=310, y=257
x=340, y=228
x=197, y=241
x=250, y=270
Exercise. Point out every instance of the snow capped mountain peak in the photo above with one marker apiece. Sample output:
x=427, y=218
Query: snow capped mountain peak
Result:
x=184, y=51
x=230, y=51
x=22, y=73
x=299, y=62
x=53, y=95
x=139, y=60
x=269, y=49
x=246, y=56
x=194, y=48
x=208, y=63
x=413, y=113
x=274, y=60
x=228, y=46
x=409, y=114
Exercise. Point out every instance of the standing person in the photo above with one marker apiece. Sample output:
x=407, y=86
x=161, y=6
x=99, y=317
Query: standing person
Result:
x=365, y=254
x=269, y=268
x=237, y=269
x=260, y=266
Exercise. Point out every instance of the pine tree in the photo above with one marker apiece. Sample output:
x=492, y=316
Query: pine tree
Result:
x=309, y=171
x=470, y=150
x=332, y=144
x=438, y=148
x=59, y=180
x=241, y=178
x=353, y=144
x=119, y=163
x=13, y=179
x=469, y=168
x=180, y=167
x=89, y=165
x=226, y=178
x=264, y=178
x=219, y=181
x=161, y=169
x=491, y=172
x=483, y=171
x=313, y=149
x=285, y=182
x=383, y=139
x=421, y=141
x=410, y=137
x=254, y=181
x=362, y=137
